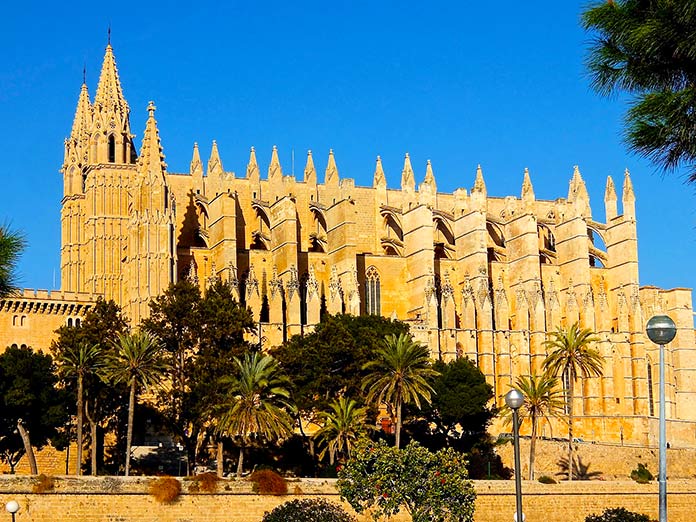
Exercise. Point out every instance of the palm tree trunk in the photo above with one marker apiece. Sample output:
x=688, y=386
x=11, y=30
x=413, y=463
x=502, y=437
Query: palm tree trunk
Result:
x=27, y=447
x=129, y=435
x=398, y=424
x=532, y=447
x=80, y=422
x=240, y=462
x=571, y=386
x=93, y=437
x=220, y=457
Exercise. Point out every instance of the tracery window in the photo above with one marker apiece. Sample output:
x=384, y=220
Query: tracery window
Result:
x=372, y=291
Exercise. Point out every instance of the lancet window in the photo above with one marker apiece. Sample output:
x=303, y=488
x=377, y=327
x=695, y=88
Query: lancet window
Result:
x=372, y=291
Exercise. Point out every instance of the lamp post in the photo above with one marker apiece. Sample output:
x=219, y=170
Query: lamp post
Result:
x=12, y=507
x=514, y=399
x=661, y=330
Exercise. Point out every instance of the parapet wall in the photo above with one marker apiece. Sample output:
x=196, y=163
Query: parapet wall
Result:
x=117, y=499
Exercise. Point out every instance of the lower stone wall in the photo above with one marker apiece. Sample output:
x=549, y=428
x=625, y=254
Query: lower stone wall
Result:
x=116, y=499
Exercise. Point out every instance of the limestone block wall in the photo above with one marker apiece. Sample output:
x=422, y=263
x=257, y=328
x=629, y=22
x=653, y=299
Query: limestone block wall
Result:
x=109, y=499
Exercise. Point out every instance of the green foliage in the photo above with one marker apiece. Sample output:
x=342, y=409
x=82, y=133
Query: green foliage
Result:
x=642, y=475
x=11, y=246
x=458, y=414
x=28, y=392
x=341, y=428
x=338, y=349
x=647, y=50
x=545, y=479
x=432, y=487
x=308, y=510
x=618, y=515
x=399, y=375
x=268, y=482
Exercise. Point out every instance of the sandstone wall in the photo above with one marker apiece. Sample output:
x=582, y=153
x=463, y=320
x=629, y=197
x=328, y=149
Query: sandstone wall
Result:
x=109, y=499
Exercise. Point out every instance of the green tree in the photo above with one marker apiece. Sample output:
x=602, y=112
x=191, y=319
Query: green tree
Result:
x=30, y=404
x=103, y=401
x=79, y=363
x=646, y=48
x=255, y=403
x=543, y=399
x=338, y=349
x=431, y=487
x=11, y=246
x=570, y=356
x=224, y=323
x=175, y=319
x=459, y=411
x=137, y=362
x=341, y=427
x=399, y=375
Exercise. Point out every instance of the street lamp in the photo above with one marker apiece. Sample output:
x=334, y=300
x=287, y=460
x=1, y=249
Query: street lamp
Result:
x=514, y=399
x=12, y=507
x=661, y=330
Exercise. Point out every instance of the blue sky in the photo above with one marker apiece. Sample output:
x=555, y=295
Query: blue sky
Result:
x=462, y=83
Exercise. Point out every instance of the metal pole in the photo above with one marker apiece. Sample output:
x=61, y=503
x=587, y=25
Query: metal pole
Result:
x=518, y=467
x=662, y=473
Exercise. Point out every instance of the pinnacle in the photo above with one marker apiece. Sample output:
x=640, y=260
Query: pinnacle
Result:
x=610, y=191
x=109, y=96
x=82, y=114
x=407, y=177
x=310, y=172
x=527, y=188
x=151, y=157
x=252, y=171
x=379, y=178
x=331, y=174
x=479, y=183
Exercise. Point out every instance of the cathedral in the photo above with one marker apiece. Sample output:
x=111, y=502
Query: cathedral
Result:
x=474, y=276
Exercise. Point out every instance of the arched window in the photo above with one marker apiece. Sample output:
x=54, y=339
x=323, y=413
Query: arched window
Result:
x=23, y=320
x=372, y=292
x=112, y=149
x=651, y=398
x=14, y=320
x=70, y=323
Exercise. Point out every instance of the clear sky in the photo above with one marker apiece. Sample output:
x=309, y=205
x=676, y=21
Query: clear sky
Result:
x=461, y=83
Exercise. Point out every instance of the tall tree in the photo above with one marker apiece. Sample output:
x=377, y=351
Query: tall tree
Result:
x=137, y=362
x=102, y=400
x=571, y=356
x=79, y=363
x=341, y=427
x=175, y=318
x=30, y=404
x=399, y=375
x=543, y=399
x=647, y=48
x=255, y=403
x=11, y=246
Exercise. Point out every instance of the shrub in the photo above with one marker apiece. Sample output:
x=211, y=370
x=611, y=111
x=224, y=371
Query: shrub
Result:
x=308, y=510
x=641, y=475
x=545, y=479
x=618, y=515
x=43, y=484
x=206, y=482
x=165, y=489
x=268, y=482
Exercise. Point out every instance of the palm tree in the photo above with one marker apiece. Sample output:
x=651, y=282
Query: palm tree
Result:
x=571, y=357
x=138, y=362
x=399, y=375
x=543, y=399
x=646, y=50
x=11, y=246
x=78, y=362
x=341, y=428
x=255, y=403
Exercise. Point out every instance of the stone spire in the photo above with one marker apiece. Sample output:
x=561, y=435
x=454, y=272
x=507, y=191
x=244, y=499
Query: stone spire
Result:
x=109, y=97
x=430, y=177
x=310, y=172
x=408, y=180
x=527, y=188
x=379, y=179
x=610, y=200
x=83, y=115
x=274, y=169
x=151, y=163
x=628, y=198
x=577, y=193
x=215, y=163
x=479, y=183
x=196, y=168
x=253, y=173
x=331, y=175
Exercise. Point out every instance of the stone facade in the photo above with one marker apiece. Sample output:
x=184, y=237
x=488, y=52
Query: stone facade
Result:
x=474, y=276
